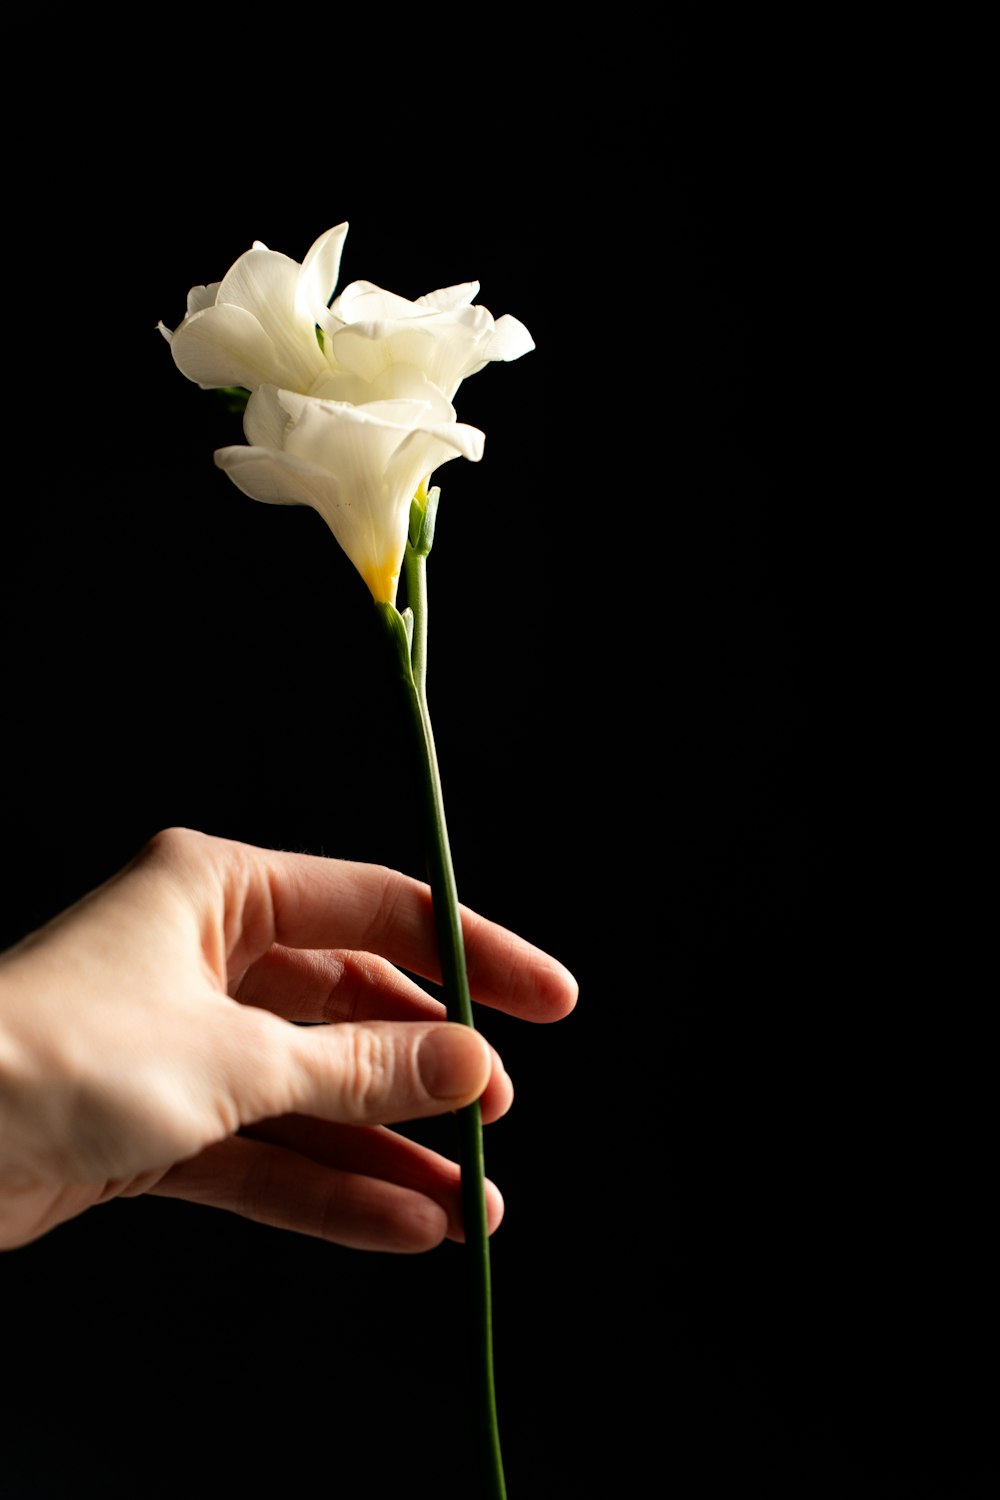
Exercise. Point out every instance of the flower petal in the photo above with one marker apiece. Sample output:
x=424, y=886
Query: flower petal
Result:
x=200, y=297
x=363, y=301
x=367, y=349
x=510, y=339
x=394, y=382
x=319, y=274
x=265, y=283
x=359, y=466
x=224, y=346
x=274, y=477
x=266, y=419
x=449, y=297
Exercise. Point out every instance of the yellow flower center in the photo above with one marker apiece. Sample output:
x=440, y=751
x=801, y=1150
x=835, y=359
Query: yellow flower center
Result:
x=383, y=580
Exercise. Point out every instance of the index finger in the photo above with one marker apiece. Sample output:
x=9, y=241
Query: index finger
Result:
x=310, y=901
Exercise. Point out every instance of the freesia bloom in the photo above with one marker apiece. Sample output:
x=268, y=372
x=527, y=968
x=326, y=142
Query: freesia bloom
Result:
x=257, y=326
x=358, y=465
x=271, y=321
x=441, y=333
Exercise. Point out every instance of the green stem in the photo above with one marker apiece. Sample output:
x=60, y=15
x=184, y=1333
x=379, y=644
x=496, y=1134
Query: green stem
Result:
x=411, y=663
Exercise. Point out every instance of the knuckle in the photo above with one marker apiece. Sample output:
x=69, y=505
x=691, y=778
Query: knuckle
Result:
x=370, y=1073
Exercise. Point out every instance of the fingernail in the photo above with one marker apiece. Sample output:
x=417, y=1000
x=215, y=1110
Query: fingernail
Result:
x=452, y=1059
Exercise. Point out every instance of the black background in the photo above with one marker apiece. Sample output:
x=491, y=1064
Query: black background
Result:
x=687, y=718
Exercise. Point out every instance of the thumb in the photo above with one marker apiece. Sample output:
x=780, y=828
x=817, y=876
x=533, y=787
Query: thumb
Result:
x=377, y=1072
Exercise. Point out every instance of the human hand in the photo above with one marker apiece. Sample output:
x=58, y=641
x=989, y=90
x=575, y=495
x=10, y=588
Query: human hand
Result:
x=148, y=1045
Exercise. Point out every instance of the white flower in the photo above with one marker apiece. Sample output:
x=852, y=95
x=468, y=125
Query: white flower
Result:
x=270, y=322
x=358, y=465
x=257, y=326
x=441, y=333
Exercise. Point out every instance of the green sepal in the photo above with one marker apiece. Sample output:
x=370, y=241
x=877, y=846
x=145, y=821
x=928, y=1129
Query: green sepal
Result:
x=422, y=518
x=400, y=630
x=406, y=616
x=234, y=398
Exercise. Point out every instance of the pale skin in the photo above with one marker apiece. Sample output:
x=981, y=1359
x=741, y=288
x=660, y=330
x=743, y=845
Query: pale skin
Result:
x=148, y=1045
